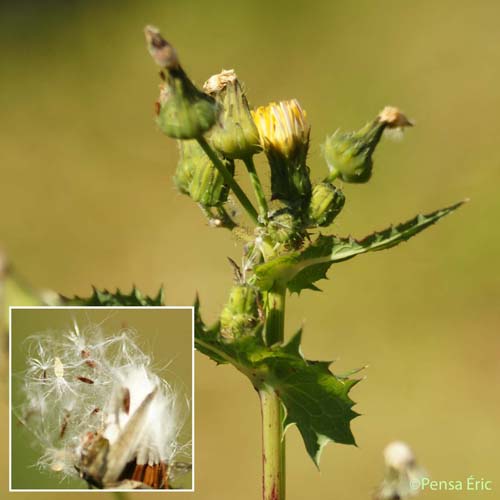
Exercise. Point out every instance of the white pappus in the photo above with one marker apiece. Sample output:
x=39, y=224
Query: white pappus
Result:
x=99, y=412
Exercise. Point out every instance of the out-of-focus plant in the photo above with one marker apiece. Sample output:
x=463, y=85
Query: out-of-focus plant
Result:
x=403, y=475
x=290, y=248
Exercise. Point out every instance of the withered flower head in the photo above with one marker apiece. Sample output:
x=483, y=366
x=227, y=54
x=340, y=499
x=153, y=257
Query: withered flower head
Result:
x=349, y=155
x=161, y=51
x=234, y=134
x=183, y=112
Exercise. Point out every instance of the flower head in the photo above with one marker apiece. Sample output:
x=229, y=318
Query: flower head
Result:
x=283, y=128
x=284, y=136
x=98, y=410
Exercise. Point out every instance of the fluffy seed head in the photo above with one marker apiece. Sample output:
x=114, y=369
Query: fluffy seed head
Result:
x=402, y=473
x=95, y=406
x=399, y=456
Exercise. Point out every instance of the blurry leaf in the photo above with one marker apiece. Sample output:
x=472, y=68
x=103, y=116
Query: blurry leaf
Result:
x=302, y=269
x=107, y=298
x=14, y=291
x=315, y=400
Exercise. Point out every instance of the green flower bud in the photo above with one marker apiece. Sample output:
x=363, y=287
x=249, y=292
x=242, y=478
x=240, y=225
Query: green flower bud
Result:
x=183, y=111
x=327, y=202
x=235, y=134
x=349, y=154
x=241, y=313
x=283, y=227
x=284, y=136
x=197, y=176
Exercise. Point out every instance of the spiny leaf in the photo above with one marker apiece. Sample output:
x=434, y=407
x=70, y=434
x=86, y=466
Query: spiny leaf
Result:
x=101, y=298
x=315, y=400
x=302, y=269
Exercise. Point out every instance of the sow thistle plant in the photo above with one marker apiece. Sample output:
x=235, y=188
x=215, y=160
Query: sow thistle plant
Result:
x=99, y=412
x=290, y=248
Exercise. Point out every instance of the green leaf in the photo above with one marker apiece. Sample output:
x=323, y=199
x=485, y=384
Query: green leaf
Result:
x=106, y=298
x=315, y=400
x=300, y=270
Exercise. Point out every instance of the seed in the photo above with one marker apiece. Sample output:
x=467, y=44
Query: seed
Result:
x=58, y=368
x=126, y=400
x=85, y=380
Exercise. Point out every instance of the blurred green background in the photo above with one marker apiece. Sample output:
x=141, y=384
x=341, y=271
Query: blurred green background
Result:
x=88, y=199
x=163, y=334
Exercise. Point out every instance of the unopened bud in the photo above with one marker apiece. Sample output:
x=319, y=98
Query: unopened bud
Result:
x=241, y=314
x=235, y=134
x=197, y=176
x=284, y=227
x=327, y=202
x=349, y=154
x=184, y=112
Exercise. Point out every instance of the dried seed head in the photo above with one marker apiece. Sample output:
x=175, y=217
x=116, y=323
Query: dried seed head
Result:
x=399, y=456
x=97, y=420
x=402, y=473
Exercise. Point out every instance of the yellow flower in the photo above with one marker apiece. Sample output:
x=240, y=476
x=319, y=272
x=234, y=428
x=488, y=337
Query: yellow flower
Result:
x=284, y=136
x=282, y=127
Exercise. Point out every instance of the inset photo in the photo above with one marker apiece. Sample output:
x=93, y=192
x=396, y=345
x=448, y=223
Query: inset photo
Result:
x=101, y=398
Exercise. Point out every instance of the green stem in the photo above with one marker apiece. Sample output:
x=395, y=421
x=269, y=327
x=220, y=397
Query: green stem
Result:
x=228, y=178
x=273, y=446
x=273, y=441
x=332, y=176
x=275, y=315
x=257, y=187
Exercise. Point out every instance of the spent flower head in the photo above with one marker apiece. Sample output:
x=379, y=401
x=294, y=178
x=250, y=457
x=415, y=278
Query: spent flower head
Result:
x=98, y=410
x=349, y=154
x=184, y=112
x=402, y=473
x=235, y=134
